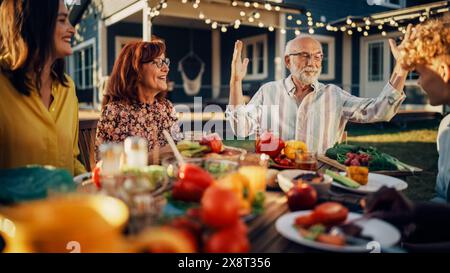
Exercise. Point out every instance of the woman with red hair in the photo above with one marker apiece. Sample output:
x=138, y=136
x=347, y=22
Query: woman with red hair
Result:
x=134, y=103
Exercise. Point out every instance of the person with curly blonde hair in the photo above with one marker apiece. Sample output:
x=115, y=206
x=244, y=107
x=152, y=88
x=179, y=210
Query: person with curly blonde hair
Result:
x=426, y=225
x=428, y=53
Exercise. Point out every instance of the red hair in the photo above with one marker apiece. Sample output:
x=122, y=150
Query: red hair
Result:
x=127, y=71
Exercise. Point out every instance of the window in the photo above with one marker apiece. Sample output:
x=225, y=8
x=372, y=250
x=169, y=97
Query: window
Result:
x=328, y=62
x=396, y=4
x=376, y=62
x=83, y=65
x=255, y=49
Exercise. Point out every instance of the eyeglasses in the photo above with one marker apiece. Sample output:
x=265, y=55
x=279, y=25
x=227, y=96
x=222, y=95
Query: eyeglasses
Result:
x=160, y=62
x=316, y=57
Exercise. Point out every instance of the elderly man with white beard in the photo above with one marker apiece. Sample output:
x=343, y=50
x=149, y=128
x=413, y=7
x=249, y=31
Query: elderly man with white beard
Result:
x=300, y=107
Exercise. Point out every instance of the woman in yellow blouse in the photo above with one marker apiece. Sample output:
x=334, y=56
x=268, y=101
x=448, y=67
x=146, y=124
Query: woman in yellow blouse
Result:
x=38, y=105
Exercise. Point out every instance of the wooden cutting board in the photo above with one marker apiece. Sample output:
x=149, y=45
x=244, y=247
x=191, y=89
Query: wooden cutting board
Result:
x=335, y=164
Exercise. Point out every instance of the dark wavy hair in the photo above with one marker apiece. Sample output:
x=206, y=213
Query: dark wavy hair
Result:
x=27, y=28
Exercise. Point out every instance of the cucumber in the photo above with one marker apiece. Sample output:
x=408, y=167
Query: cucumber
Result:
x=344, y=180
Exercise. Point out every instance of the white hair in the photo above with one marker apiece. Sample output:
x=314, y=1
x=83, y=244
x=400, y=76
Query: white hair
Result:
x=287, y=49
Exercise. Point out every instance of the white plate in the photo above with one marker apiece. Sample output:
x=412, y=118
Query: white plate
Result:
x=382, y=233
x=376, y=181
x=285, y=178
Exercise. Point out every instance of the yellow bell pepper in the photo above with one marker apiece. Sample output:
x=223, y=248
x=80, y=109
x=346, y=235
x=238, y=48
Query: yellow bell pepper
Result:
x=292, y=146
x=359, y=174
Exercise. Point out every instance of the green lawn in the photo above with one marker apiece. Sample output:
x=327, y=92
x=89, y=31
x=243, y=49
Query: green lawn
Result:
x=414, y=145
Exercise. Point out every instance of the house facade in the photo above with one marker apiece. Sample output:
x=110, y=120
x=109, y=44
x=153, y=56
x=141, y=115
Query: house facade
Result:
x=200, y=36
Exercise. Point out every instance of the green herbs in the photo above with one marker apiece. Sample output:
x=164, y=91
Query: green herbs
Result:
x=379, y=161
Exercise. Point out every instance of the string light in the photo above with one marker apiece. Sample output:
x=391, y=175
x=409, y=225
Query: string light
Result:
x=359, y=29
x=289, y=17
x=283, y=31
x=365, y=33
x=255, y=4
x=308, y=14
x=223, y=29
x=349, y=32
x=268, y=6
x=349, y=21
x=247, y=4
x=367, y=28
x=242, y=13
x=380, y=26
x=214, y=25
x=343, y=29
x=195, y=5
x=297, y=32
x=208, y=21
x=383, y=33
x=164, y=5
x=234, y=4
x=201, y=16
x=257, y=15
x=271, y=28
x=311, y=31
x=260, y=24
x=277, y=8
x=310, y=23
x=299, y=22
x=184, y=1
x=251, y=19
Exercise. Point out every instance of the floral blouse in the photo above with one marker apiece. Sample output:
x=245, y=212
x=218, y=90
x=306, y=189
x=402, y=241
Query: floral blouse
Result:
x=120, y=120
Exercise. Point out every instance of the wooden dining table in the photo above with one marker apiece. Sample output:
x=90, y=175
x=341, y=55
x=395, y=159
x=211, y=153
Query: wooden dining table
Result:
x=263, y=235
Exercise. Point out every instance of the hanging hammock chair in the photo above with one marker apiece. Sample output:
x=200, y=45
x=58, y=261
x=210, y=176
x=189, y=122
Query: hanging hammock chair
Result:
x=191, y=86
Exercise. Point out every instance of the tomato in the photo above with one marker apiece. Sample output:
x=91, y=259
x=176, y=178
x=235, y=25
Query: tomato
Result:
x=213, y=141
x=96, y=177
x=305, y=221
x=301, y=196
x=269, y=144
x=227, y=241
x=216, y=146
x=187, y=190
x=195, y=173
x=219, y=207
x=330, y=213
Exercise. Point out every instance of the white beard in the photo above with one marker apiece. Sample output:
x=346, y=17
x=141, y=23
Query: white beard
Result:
x=307, y=80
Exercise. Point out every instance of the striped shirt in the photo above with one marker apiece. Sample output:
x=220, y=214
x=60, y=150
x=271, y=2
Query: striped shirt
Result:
x=318, y=120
